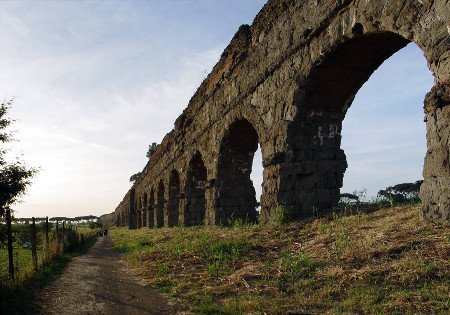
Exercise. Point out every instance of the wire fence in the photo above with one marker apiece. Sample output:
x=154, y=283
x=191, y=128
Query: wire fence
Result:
x=27, y=244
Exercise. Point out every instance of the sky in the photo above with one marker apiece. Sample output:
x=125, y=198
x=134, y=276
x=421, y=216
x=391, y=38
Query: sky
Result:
x=95, y=82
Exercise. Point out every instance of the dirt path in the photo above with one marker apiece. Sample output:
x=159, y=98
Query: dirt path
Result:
x=99, y=283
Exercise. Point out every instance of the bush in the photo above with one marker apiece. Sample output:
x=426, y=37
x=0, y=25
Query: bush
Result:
x=95, y=225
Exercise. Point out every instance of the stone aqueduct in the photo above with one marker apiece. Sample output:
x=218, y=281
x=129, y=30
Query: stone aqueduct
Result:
x=285, y=83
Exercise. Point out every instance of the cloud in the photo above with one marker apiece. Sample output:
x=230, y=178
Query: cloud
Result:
x=78, y=122
x=86, y=145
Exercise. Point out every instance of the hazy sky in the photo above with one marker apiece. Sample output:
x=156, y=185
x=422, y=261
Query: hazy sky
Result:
x=95, y=82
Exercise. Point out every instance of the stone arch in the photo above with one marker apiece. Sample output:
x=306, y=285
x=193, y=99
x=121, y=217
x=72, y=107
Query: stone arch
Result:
x=237, y=197
x=271, y=71
x=160, y=203
x=173, y=206
x=139, y=213
x=195, y=204
x=126, y=217
x=119, y=219
x=151, y=210
x=144, y=210
x=132, y=209
x=313, y=176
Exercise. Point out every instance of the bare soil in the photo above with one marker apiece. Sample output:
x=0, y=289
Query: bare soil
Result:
x=100, y=283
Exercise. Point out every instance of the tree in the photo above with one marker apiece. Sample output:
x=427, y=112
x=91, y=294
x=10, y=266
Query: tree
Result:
x=134, y=177
x=348, y=198
x=15, y=176
x=151, y=149
x=405, y=192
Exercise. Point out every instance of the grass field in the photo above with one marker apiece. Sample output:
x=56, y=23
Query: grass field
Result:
x=22, y=256
x=18, y=295
x=389, y=261
x=22, y=261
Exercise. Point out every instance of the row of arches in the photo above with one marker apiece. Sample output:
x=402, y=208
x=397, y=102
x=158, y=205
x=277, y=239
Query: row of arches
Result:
x=168, y=205
x=183, y=202
x=307, y=174
x=294, y=86
x=186, y=208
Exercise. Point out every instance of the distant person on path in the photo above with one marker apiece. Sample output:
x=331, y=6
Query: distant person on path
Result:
x=104, y=231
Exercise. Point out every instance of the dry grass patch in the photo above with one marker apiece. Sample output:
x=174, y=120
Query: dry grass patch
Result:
x=385, y=262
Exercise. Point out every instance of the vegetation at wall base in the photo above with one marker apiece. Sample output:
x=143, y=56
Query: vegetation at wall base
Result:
x=352, y=261
x=18, y=295
x=396, y=195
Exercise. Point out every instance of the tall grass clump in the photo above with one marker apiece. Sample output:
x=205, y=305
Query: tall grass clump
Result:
x=282, y=215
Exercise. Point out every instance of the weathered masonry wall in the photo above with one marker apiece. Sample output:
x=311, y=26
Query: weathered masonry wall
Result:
x=285, y=83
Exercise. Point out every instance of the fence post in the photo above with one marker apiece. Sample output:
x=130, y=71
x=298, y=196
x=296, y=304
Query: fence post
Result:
x=47, y=241
x=62, y=235
x=34, y=245
x=58, y=239
x=10, y=245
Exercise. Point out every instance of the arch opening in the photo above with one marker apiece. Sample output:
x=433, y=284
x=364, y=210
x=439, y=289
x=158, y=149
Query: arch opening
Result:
x=144, y=211
x=236, y=193
x=151, y=210
x=139, y=213
x=132, y=210
x=257, y=177
x=119, y=220
x=195, y=207
x=174, y=199
x=383, y=134
x=160, y=202
x=323, y=101
x=136, y=217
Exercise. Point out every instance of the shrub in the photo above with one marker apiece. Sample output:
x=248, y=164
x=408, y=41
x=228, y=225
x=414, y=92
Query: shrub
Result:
x=283, y=215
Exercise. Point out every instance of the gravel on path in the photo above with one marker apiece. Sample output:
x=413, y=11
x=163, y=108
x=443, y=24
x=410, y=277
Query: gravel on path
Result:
x=100, y=283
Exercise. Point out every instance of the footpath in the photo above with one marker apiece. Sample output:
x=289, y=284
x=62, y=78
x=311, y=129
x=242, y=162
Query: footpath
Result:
x=99, y=283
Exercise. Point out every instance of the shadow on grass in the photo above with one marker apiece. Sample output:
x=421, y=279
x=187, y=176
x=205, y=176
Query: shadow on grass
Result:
x=19, y=297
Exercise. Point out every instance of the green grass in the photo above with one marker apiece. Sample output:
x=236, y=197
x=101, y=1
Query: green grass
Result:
x=388, y=261
x=18, y=295
x=23, y=261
